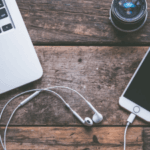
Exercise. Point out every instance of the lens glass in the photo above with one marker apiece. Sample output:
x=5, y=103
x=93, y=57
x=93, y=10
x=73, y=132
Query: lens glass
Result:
x=128, y=15
x=129, y=8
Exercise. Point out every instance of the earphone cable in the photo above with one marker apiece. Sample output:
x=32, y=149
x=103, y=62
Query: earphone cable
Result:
x=29, y=91
x=69, y=89
x=4, y=145
x=28, y=99
x=39, y=90
x=90, y=105
x=7, y=126
x=16, y=97
x=56, y=95
x=2, y=142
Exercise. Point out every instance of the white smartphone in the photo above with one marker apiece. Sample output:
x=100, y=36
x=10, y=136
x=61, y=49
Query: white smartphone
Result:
x=136, y=96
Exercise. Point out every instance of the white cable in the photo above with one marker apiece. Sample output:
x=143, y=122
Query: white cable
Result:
x=2, y=142
x=68, y=89
x=4, y=146
x=16, y=97
x=125, y=132
x=129, y=121
x=38, y=90
x=10, y=101
x=57, y=95
x=48, y=90
x=7, y=126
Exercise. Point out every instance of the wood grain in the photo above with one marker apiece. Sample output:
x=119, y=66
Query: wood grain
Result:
x=75, y=138
x=99, y=73
x=84, y=22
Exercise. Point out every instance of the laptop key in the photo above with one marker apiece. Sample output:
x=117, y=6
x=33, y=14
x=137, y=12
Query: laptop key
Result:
x=1, y=4
x=7, y=27
x=0, y=31
x=3, y=13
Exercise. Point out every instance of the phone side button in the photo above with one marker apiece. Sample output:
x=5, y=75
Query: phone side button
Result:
x=136, y=109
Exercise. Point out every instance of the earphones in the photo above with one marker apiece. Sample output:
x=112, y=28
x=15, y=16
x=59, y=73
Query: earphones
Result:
x=97, y=117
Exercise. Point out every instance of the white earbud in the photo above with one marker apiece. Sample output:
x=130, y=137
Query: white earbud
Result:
x=97, y=118
x=88, y=121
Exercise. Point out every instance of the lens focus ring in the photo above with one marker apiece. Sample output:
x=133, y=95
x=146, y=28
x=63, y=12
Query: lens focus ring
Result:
x=128, y=15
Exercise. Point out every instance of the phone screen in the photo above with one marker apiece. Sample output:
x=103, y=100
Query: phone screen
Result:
x=139, y=89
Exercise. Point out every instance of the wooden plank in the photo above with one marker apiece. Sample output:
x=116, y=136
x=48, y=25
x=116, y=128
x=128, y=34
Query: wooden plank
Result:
x=146, y=138
x=74, y=138
x=99, y=73
x=68, y=22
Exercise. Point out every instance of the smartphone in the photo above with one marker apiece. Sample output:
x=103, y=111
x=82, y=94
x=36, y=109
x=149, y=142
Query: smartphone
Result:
x=136, y=96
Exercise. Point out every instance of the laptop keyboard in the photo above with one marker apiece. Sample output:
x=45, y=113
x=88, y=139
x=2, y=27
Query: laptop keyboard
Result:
x=5, y=21
x=3, y=13
x=1, y=4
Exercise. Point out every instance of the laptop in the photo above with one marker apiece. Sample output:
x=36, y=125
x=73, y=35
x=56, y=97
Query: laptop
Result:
x=19, y=64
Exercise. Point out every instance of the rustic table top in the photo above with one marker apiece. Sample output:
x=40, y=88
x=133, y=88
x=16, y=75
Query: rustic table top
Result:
x=79, y=48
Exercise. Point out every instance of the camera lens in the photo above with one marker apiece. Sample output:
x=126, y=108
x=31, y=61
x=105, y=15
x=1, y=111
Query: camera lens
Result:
x=128, y=15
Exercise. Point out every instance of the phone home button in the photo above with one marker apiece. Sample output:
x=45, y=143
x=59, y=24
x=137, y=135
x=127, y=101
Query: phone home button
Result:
x=136, y=109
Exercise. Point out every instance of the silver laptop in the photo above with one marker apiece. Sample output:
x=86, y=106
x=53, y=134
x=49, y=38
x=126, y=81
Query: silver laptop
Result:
x=19, y=63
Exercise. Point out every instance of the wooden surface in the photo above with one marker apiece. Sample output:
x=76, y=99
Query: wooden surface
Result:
x=75, y=138
x=76, y=22
x=99, y=72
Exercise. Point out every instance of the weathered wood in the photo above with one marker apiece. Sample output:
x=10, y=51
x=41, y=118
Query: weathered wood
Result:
x=74, y=138
x=67, y=22
x=146, y=138
x=99, y=73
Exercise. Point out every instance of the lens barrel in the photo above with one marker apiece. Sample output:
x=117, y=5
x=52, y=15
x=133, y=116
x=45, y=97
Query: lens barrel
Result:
x=128, y=15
